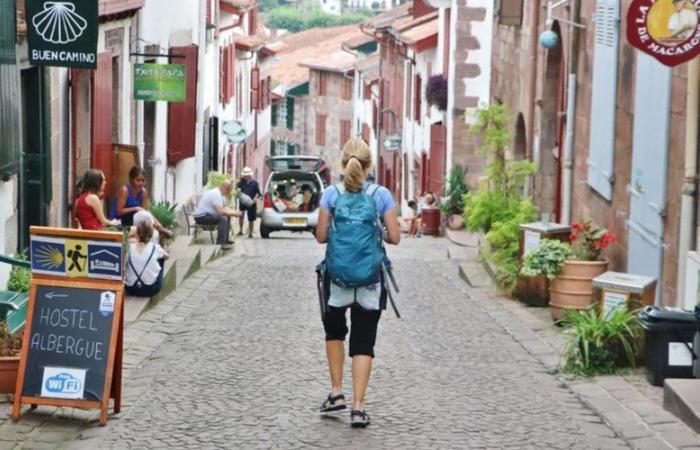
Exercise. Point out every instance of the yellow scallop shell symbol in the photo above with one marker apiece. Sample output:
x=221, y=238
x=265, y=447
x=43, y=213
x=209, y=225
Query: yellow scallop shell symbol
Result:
x=58, y=23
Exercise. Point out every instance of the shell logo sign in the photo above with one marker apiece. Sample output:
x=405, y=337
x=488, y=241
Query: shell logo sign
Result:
x=668, y=30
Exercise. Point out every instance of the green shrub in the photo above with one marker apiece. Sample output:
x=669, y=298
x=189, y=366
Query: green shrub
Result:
x=286, y=18
x=293, y=20
x=597, y=346
x=164, y=213
x=504, y=240
x=20, y=277
x=483, y=209
x=456, y=190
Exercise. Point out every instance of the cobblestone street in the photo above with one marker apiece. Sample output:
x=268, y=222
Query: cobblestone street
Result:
x=247, y=368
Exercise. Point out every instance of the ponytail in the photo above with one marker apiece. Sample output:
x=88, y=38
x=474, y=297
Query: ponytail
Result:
x=356, y=161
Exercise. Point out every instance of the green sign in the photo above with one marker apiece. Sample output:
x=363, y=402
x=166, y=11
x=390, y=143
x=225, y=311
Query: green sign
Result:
x=164, y=82
x=62, y=33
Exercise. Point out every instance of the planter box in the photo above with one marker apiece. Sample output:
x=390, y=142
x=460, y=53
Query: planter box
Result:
x=9, y=366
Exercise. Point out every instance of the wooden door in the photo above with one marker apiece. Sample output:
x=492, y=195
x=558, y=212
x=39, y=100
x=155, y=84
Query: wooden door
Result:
x=101, y=119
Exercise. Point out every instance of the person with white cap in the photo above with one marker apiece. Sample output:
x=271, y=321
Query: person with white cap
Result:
x=249, y=192
x=211, y=211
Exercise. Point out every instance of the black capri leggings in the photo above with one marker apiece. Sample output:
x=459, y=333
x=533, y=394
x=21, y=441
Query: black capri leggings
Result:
x=363, y=333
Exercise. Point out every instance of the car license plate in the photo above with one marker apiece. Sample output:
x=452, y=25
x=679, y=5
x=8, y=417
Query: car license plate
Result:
x=297, y=221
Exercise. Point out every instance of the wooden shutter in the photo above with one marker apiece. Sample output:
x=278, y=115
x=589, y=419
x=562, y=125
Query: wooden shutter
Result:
x=252, y=22
x=290, y=113
x=182, y=117
x=365, y=133
x=409, y=100
x=367, y=92
x=209, y=14
x=347, y=89
x=273, y=114
x=322, y=83
x=101, y=155
x=231, y=71
x=344, y=132
x=255, y=88
x=438, y=152
x=320, y=129
x=419, y=98
x=601, y=151
x=511, y=12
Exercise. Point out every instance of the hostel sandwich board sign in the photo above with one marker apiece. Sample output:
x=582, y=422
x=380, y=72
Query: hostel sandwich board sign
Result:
x=73, y=337
x=668, y=30
x=62, y=33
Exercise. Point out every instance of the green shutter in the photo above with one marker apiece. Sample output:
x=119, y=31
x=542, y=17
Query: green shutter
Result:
x=290, y=149
x=290, y=113
x=273, y=112
x=273, y=147
x=8, y=32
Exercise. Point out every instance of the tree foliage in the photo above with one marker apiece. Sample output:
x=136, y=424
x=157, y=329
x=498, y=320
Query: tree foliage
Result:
x=293, y=20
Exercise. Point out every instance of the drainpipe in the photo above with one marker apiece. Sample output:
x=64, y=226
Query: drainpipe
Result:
x=534, y=48
x=567, y=178
x=688, y=201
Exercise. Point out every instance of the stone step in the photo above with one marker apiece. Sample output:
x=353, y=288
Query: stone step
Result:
x=474, y=274
x=461, y=253
x=135, y=306
x=682, y=398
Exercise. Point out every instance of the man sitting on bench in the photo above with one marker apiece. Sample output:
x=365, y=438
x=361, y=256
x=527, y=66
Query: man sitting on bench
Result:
x=211, y=211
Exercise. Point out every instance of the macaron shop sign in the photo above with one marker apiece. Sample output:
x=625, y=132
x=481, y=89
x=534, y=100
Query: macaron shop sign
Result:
x=62, y=33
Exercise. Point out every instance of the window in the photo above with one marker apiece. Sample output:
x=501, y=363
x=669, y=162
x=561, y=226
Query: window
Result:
x=344, y=132
x=322, y=83
x=511, y=12
x=346, y=88
x=419, y=97
x=320, y=129
x=601, y=153
x=182, y=117
x=273, y=115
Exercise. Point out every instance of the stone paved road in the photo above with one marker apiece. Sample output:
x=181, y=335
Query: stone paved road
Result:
x=247, y=370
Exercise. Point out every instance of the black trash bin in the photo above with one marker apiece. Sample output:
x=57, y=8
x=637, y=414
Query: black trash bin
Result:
x=668, y=343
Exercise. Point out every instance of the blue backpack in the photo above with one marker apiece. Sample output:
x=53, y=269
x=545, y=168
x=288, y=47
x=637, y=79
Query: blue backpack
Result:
x=355, y=250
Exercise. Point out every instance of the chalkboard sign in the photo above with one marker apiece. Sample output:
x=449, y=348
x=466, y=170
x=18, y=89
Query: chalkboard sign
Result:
x=69, y=342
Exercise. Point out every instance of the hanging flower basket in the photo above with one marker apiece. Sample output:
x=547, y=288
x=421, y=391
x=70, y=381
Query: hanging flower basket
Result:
x=436, y=92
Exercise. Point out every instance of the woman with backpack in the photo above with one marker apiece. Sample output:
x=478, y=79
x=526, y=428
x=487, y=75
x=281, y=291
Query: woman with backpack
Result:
x=349, y=221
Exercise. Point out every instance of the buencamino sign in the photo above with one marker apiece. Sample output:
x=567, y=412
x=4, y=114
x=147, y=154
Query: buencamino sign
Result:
x=62, y=33
x=160, y=82
x=668, y=30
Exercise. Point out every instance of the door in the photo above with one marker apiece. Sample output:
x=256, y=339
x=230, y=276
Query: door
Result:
x=35, y=176
x=649, y=166
x=101, y=119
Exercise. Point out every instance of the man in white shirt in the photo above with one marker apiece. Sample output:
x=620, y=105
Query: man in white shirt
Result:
x=683, y=22
x=211, y=211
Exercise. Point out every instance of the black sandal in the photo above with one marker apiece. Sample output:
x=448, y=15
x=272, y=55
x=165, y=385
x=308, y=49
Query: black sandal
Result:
x=363, y=420
x=330, y=404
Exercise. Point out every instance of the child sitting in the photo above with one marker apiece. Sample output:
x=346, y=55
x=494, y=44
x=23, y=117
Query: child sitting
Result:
x=144, y=272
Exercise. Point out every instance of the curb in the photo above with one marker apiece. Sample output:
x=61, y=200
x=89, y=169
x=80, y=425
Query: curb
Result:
x=634, y=417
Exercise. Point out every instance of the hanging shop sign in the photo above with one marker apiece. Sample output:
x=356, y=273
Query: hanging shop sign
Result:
x=62, y=33
x=160, y=82
x=668, y=30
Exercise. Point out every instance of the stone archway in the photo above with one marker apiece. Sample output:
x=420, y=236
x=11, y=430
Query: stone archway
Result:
x=547, y=183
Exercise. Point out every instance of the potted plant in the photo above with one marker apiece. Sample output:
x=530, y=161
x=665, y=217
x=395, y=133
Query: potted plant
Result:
x=453, y=208
x=598, y=346
x=571, y=266
x=11, y=344
x=164, y=212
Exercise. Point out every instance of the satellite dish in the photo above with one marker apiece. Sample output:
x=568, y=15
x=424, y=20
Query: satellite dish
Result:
x=234, y=131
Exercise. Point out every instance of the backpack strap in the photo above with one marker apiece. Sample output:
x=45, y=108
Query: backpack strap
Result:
x=371, y=190
x=139, y=275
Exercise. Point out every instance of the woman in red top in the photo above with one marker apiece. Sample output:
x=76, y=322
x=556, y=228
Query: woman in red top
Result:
x=88, y=207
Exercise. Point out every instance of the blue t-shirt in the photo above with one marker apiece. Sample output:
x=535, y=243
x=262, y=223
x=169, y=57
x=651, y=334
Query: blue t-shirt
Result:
x=382, y=198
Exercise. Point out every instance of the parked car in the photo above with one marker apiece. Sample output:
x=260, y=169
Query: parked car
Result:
x=292, y=194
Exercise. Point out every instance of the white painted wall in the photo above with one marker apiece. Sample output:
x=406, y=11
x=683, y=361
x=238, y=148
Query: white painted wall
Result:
x=8, y=239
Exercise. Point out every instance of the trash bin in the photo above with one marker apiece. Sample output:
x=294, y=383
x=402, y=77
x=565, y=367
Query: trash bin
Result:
x=668, y=343
x=430, y=221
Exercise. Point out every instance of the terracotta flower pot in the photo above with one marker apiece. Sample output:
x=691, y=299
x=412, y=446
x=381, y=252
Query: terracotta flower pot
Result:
x=573, y=287
x=455, y=222
x=9, y=366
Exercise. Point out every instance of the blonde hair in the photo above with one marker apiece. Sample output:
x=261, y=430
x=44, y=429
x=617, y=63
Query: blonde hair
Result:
x=356, y=161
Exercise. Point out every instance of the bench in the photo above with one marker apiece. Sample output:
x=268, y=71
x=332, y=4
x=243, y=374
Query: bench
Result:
x=189, y=208
x=13, y=309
